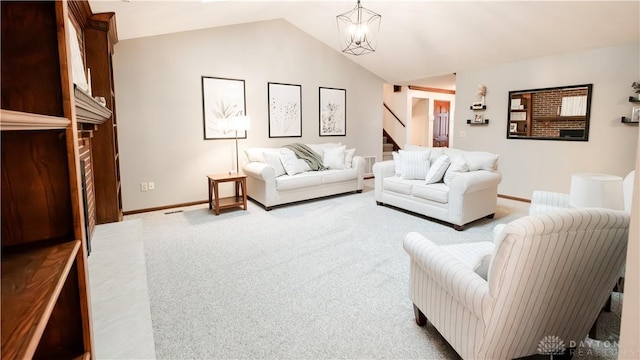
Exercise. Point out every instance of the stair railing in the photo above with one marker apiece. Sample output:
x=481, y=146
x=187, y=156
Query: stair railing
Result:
x=394, y=115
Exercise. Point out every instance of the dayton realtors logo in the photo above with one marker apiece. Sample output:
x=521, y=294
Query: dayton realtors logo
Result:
x=551, y=345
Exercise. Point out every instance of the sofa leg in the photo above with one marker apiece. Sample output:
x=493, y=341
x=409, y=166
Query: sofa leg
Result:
x=379, y=203
x=458, y=227
x=490, y=216
x=421, y=320
x=359, y=191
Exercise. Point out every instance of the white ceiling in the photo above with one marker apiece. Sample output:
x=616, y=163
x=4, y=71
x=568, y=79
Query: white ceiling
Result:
x=421, y=42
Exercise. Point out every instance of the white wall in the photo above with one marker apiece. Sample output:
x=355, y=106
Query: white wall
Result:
x=529, y=165
x=159, y=103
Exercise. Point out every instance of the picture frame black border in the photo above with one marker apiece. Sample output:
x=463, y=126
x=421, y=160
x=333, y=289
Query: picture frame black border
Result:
x=320, y=110
x=269, y=84
x=204, y=115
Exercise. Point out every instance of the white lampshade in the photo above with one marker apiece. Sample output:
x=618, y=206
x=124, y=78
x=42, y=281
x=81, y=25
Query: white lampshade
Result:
x=596, y=190
x=239, y=123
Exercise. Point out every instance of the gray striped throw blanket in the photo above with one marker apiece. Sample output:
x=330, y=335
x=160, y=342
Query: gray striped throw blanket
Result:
x=305, y=153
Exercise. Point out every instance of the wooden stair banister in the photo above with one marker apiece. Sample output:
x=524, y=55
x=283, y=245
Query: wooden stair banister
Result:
x=394, y=115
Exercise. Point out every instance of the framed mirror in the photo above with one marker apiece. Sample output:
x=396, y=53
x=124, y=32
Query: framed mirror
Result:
x=559, y=113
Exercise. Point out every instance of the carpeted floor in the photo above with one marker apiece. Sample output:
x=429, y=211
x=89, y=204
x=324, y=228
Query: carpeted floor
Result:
x=315, y=280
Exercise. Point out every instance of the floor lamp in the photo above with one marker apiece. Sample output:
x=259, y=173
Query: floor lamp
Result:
x=238, y=123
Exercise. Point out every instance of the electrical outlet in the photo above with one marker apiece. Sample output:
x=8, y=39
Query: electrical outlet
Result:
x=152, y=185
x=144, y=186
x=463, y=134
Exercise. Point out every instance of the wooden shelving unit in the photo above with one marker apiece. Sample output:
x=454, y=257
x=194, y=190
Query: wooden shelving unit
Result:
x=32, y=281
x=45, y=292
x=626, y=120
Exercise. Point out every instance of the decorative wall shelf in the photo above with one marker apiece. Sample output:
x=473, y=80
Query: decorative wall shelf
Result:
x=626, y=120
x=484, y=107
x=634, y=99
x=484, y=122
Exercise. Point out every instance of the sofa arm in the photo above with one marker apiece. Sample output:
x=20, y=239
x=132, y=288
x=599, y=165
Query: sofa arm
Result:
x=384, y=169
x=550, y=198
x=260, y=171
x=381, y=170
x=466, y=287
x=472, y=181
x=358, y=164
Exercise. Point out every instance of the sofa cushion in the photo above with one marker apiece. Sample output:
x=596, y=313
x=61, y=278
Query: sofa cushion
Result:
x=334, y=176
x=292, y=165
x=458, y=165
x=348, y=157
x=319, y=148
x=438, y=192
x=480, y=160
x=333, y=158
x=398, y=185
x=257, y=153
x=273, y=160
x=302, y=180
x=437, y=169
x=415, y=164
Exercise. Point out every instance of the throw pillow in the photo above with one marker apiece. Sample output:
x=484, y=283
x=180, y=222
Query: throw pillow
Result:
x=319, y=148
x=482, y=268
x=348, y=157
x=397, y=163
x=415, y=164
x=481, y=160
x=273, y=160
x=333, y=158
x=292, y=165
x=256, y=154
x=458, y=165
x=436, y=171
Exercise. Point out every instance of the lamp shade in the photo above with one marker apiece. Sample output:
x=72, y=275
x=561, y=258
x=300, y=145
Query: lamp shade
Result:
x=596, y=190
x=239, y=123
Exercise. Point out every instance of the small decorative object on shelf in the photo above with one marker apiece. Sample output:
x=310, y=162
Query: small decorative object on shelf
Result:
x=478, y=106
x=636, y=88
x=482, y=91
x=635, y=116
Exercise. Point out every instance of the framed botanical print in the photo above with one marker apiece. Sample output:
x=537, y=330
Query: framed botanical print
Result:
x=333, y=112
x=222, y=99
x=285, y=110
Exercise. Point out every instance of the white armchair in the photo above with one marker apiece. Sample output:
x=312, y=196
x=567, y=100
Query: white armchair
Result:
x=548, y=274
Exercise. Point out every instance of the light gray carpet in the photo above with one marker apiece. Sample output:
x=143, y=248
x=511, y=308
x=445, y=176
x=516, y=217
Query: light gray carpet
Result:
x=320, y=279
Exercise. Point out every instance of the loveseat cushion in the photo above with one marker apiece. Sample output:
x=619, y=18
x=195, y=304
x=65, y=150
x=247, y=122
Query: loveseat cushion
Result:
x=438, y=192
x=398, y=185
x=302, y=180
x=334, y=176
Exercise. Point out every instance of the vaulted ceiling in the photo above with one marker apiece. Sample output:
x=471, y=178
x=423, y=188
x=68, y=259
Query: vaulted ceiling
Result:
x=420, y=42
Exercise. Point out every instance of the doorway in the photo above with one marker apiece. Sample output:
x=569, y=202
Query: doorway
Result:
x=441, y=123
x=419, y=127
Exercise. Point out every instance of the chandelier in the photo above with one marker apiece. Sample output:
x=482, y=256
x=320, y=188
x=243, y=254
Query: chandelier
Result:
x=358, y=30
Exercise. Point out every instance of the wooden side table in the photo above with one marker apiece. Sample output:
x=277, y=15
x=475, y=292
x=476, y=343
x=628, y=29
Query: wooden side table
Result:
x=238, y=200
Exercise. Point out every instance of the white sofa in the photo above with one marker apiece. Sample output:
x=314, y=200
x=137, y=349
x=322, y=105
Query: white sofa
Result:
x=271, y=182
x=468, y=190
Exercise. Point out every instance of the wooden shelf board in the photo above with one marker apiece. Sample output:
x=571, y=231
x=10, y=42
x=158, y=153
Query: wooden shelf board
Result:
x=88, y=110
x=31, y=282
x=230, y=202
x=560, y=118
x=17, y=120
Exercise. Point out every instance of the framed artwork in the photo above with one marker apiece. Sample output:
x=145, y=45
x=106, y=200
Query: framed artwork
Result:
x=222, y=99
x=333, y=112
x=285, y=110
x=635, y=114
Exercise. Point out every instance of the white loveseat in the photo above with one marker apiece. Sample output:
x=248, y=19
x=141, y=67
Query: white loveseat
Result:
x=274, y=177
x=463, y=190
